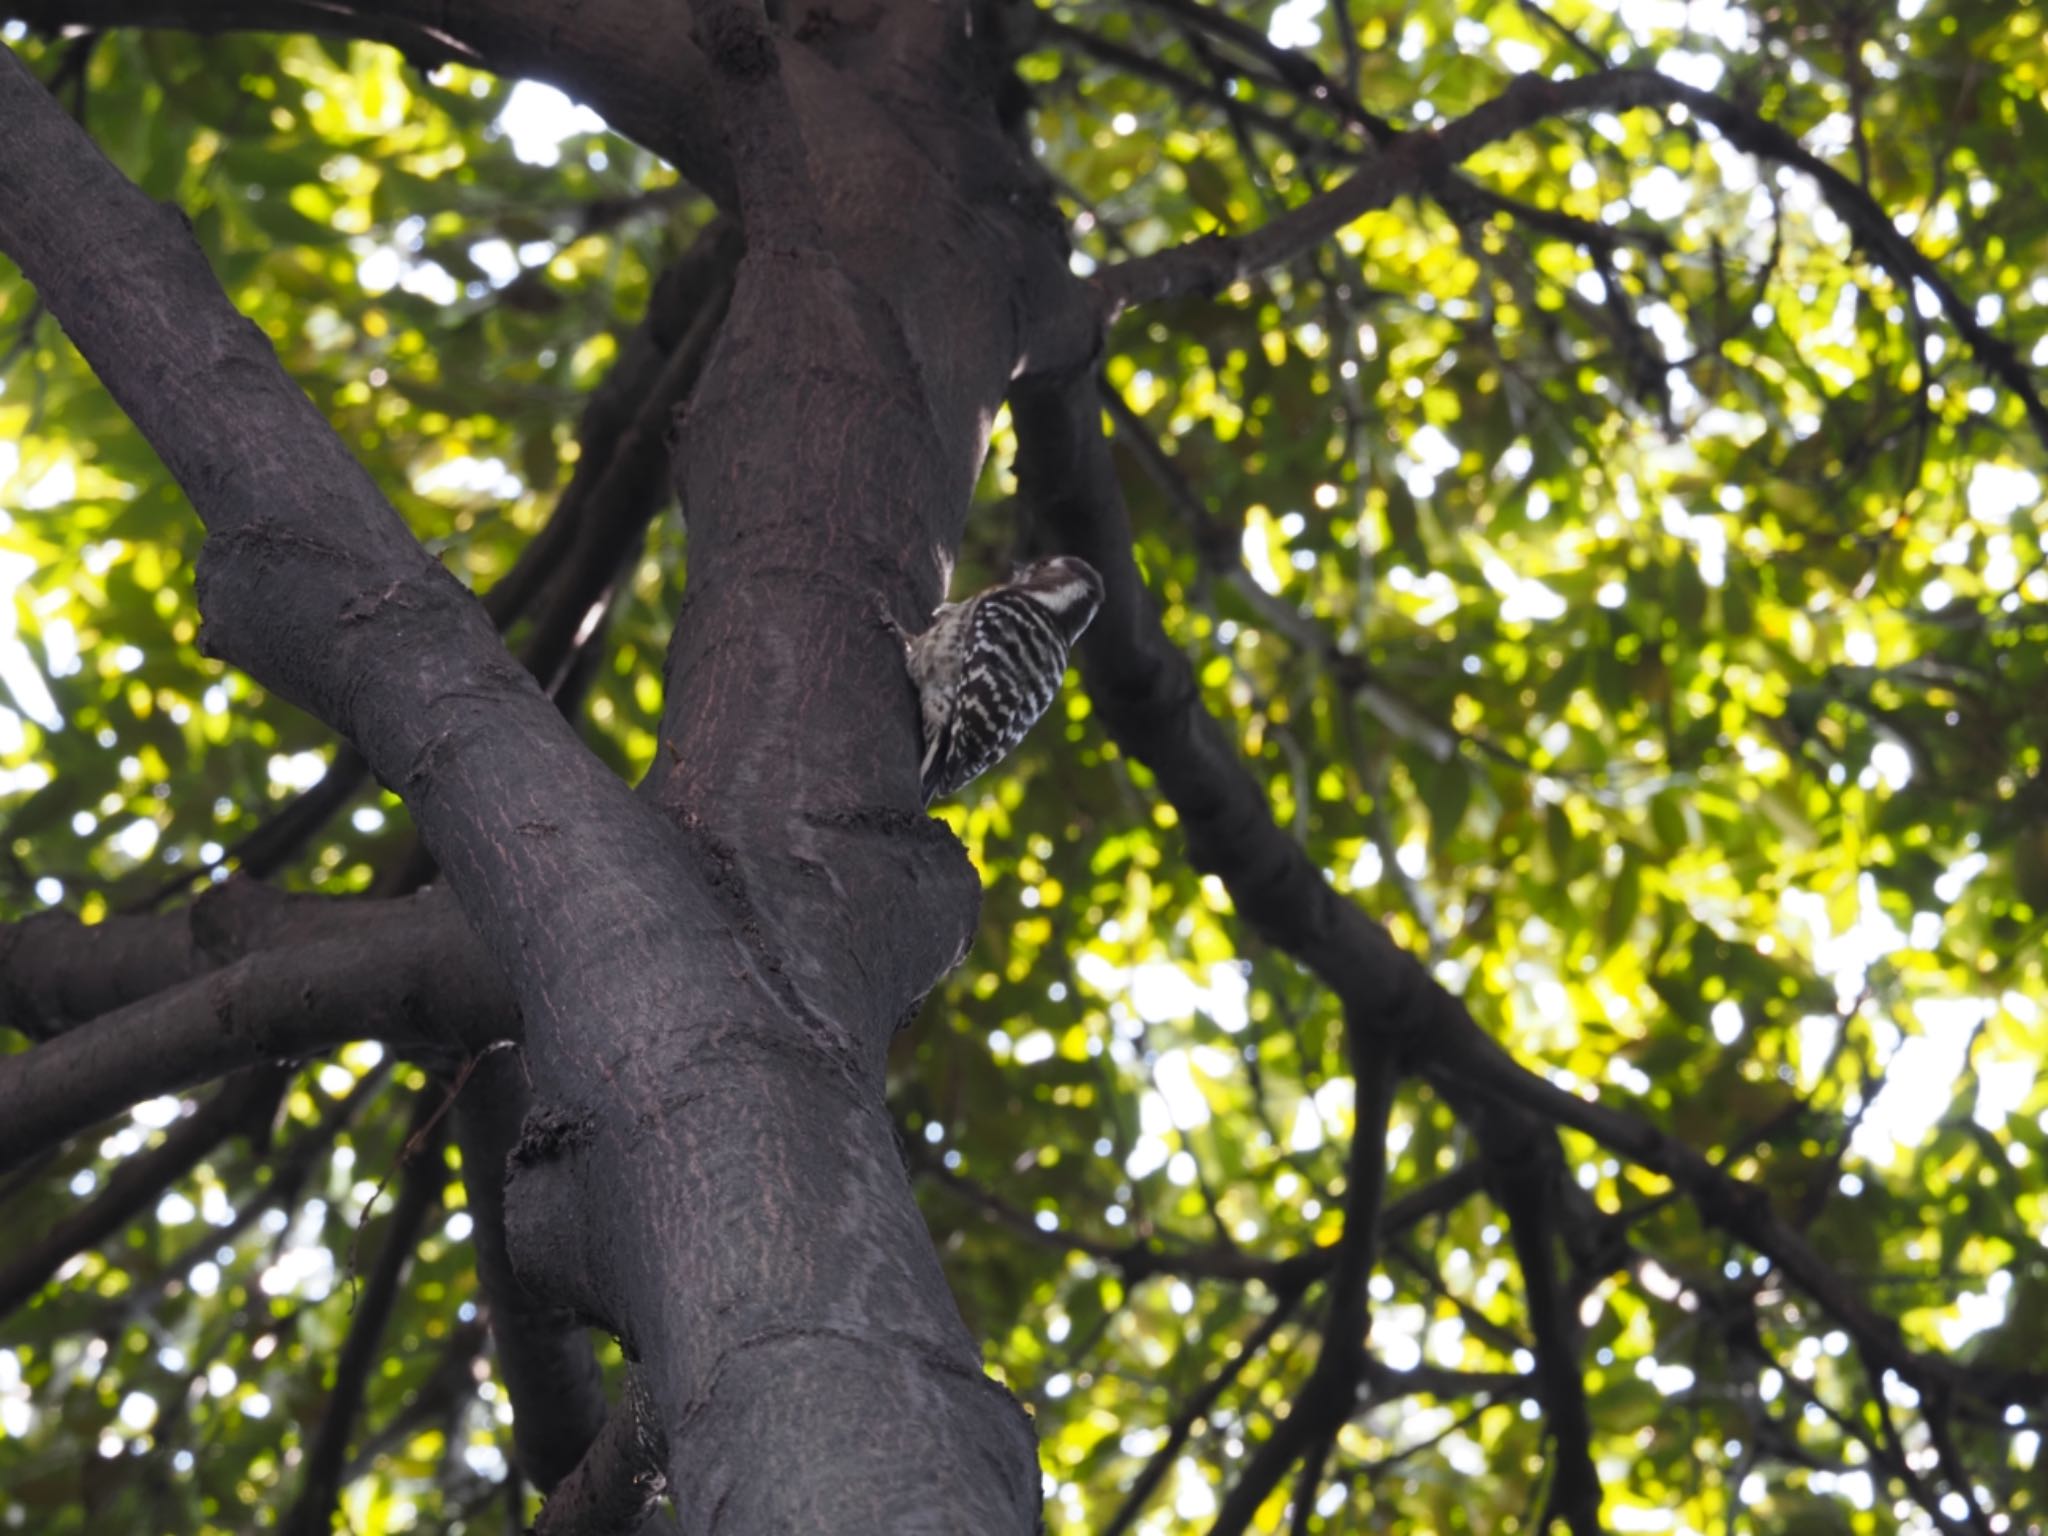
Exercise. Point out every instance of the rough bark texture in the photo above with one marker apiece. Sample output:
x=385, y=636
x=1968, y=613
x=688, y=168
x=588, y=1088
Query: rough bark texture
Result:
x=408, y=972
x=709, y=973
x=691, y=1149
x=544, y=1353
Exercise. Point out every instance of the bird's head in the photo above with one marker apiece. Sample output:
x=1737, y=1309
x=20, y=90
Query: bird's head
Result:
x=1065, y=586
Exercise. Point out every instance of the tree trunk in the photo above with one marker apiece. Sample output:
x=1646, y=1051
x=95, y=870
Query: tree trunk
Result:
x=709, y=972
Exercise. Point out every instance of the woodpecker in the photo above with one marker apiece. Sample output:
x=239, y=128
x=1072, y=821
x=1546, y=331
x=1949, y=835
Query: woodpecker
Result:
x=988, y=667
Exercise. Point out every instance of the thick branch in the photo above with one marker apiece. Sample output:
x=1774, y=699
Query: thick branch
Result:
x=617, y=1487
x=544, y=1353
x=634, y=61
x=415, y=974
x=779, y=205
x=1146, y=695
x=708, y=1000
x=57, y=972
x=310, y=580
x=593, y=534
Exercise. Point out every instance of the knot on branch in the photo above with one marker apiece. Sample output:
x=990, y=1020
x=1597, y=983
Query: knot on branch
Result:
x=548, y=1135
x=547, y=1218
x=907, y=851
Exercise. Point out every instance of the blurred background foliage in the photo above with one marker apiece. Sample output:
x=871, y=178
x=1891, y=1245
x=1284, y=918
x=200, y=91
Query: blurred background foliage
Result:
x=1626, y=589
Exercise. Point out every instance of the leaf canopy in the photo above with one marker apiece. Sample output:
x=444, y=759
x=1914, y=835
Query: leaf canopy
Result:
x=1622, y=583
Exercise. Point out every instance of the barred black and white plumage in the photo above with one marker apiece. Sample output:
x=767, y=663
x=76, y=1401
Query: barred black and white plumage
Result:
x=987, y=668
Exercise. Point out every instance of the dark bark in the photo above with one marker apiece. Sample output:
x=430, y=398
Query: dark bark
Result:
x=407, y=972
x=634, y=58
x=543, y=1352
x=709, y=973
x=56, y=971
x=569, y=568
x=613, y=1491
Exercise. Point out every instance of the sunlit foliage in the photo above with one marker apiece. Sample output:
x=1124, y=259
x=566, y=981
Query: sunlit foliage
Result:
x=1621, y=584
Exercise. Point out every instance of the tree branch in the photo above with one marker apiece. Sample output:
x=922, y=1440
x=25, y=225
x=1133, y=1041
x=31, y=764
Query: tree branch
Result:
x=616, y=1488
x=1192, y=1412
x=1144, y=692
x=1411, y=163
x=1219, y=545
x=1296, y=71
x=310, y=580
x=1526, y=1190
x=57, y=972
x=778, y=204
x=593, y=532
x=1414, y=162
x=1327, y=1400
x=283, y=1181
x=1464, y=199
x=1186, y=87
x=617, y=494
x=611, y=433
x=544, y=1353
x=1142, y=1260
x=244, y=1104
x=634, y=61
x=1746, y=1211
x=440, y=1398
x=412, y=974
x=312, y=1513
